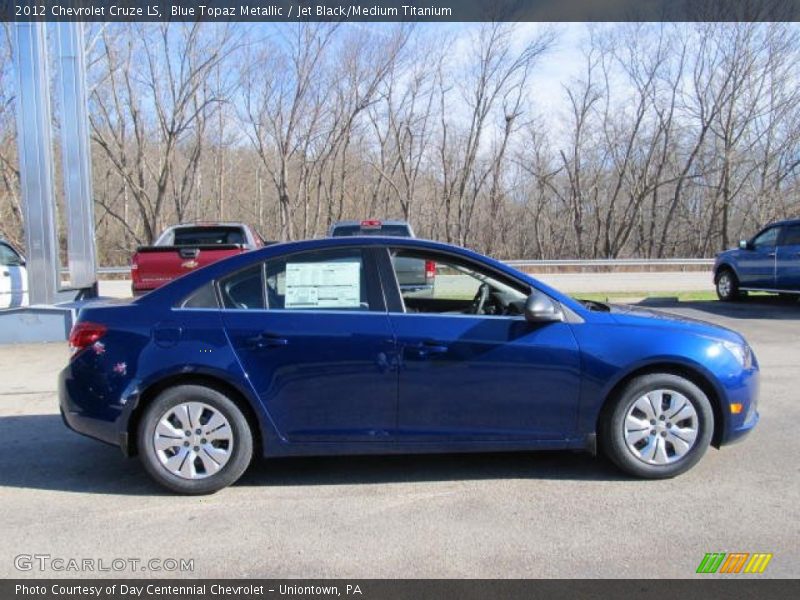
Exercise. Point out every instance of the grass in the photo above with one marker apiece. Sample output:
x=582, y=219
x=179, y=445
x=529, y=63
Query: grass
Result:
x=682, y=296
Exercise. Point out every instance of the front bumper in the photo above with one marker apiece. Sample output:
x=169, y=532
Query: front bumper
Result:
x=743, y=391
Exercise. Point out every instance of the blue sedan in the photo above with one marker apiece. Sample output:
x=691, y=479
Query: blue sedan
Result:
x=312, y=348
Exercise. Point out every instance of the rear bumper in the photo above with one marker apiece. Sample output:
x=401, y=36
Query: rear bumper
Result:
x=76, y=418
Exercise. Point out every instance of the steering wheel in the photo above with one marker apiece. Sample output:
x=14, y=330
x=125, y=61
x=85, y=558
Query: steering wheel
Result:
x=479, y=301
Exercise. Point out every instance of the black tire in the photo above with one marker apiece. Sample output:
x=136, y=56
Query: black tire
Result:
x=612, y=426
x=727, y=285
x=241, y=440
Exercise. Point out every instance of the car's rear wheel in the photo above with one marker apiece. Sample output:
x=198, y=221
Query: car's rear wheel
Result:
x=659, y=426
x=194, y=440
x=727, y=286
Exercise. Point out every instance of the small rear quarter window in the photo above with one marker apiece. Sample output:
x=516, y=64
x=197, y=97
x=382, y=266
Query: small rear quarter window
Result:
x=203, y=297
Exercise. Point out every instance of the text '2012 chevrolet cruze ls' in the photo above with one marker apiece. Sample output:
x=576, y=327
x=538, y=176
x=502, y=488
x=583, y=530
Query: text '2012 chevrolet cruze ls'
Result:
x=312, y=348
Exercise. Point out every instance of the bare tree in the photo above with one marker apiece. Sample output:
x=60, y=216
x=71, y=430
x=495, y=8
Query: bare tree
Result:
x=496, y=79
x=149, y=105
x=11, y=219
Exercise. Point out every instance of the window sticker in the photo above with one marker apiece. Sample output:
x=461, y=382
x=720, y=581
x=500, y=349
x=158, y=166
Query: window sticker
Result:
x=323, y=285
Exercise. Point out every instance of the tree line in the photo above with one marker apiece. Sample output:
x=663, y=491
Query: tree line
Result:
x=672, y=140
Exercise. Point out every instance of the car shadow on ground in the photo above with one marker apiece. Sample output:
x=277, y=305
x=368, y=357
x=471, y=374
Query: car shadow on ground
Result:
x=756, y=307
x=347, y=470
x=39, y=452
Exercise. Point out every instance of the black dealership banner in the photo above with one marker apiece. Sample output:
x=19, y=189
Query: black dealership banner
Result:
x=400, y=10
x=398, y=589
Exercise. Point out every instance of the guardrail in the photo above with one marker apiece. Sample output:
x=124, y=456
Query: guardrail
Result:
x=530, y=264
x=113, y=270
x=615, y=262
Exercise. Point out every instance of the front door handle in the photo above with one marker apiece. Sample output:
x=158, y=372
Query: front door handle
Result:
x=266, y=340
x=771, y=255
x=429, y=347
x=5, y=273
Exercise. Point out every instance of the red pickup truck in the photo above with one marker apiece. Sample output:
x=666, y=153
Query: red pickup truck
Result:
x=183, y=248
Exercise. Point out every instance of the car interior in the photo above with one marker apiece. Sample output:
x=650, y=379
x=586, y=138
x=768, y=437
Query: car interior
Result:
x=462, y=288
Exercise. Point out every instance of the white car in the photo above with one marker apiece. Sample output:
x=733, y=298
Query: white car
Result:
x=13, y=277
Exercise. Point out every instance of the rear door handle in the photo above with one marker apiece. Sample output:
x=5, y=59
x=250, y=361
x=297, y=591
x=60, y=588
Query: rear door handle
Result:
x=6, y=273
x=267, y=340
x=771, y=255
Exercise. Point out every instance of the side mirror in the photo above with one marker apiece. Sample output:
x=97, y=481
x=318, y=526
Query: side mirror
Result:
x=539, y=308
x=744, y=245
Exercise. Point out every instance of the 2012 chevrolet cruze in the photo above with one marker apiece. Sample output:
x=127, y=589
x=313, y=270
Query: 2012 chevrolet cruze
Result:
x=312, y=348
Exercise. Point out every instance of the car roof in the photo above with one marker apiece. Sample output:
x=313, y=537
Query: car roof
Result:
x=785, y=222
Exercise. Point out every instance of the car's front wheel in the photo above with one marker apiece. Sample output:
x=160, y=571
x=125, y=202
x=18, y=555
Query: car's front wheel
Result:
x=194, y=439
x=727, y=286
x=659, y=426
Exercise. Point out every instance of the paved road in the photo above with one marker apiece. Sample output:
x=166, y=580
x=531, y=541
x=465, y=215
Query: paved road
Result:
x=525, y=515
x=570, y=283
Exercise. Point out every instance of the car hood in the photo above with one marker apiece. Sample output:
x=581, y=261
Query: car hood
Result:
x=726, y=253
x=642, y=317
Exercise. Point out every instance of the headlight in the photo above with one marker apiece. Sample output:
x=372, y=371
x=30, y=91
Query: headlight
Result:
x=741, y=352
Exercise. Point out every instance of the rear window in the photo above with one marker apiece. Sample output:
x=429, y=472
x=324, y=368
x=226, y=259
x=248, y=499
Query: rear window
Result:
x=352, y=230
x=207, y=236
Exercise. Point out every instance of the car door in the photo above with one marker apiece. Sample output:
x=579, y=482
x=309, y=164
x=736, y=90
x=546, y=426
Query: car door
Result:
x=312, y=335
x=756, y=263
x=479, y=376
x=13, y=278
x=787, y=272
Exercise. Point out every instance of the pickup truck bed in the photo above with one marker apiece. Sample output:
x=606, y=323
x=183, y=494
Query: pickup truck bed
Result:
x=184, y=248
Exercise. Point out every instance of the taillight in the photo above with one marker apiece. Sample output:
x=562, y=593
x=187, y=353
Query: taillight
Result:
x=84, y=334
x=135, y=270
x=371, y=224
x=430, y=270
